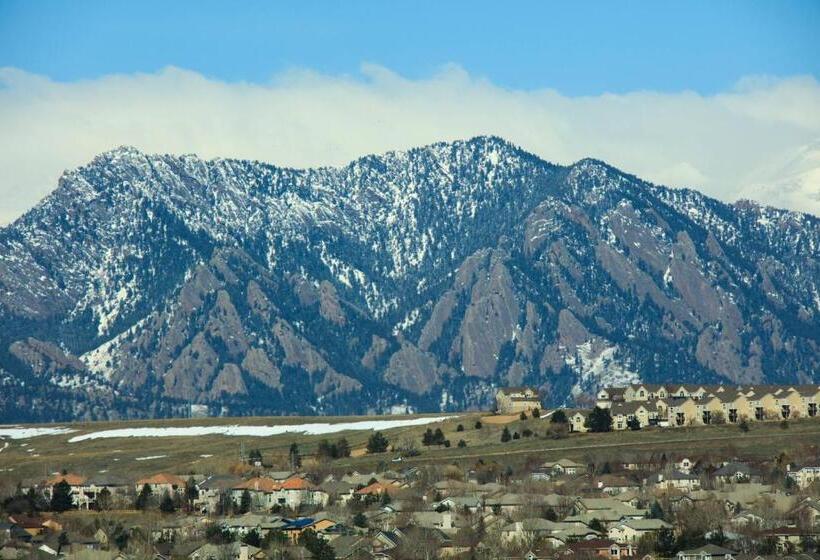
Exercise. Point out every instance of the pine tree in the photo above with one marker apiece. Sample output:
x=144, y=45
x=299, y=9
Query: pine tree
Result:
x=342, y=448
x=144, y=497
x=599, y=420
x=505, y=435
x=245, y=502
x=61, y=497
x=104, y=500
x=167, y=505
x=558, y=417
x=377, y=443
x=293, y=456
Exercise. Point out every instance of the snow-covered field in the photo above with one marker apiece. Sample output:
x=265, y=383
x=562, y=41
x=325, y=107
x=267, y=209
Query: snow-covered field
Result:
x=235, y=430
x=18, y=432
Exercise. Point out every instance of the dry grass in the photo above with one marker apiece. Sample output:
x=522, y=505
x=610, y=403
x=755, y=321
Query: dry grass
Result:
x=184, y=455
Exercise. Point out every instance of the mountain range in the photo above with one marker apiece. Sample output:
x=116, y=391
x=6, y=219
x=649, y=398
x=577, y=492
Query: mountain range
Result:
x=157, y=285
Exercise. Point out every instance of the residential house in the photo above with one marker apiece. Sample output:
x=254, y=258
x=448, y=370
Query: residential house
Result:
x=632, y=530
x=162, y=483
x=232, y=551
x=707, y=552
x=564, y=467
x=803, y=476
x=513, y=400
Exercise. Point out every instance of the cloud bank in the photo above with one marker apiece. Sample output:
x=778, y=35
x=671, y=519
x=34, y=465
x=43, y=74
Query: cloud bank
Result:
x=760, y=140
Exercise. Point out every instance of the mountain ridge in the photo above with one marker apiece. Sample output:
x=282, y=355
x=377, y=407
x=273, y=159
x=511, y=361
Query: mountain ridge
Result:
x=421, y=278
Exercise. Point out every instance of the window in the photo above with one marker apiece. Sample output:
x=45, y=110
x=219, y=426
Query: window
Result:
x=812, y=409
x=785, y=410
x=707, y=416
x=732, y=415
x=641, y=393
x=759, y=415
x=680, y=418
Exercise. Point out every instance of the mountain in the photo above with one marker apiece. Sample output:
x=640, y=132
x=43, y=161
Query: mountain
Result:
x=145, y=284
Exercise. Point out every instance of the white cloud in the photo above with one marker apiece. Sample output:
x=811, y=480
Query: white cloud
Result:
x=745, y=142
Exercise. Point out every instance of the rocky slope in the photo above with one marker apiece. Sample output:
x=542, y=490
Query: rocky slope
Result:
x=144, y=284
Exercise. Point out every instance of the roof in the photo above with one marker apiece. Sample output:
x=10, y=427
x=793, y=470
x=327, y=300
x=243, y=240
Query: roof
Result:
x=507, y=390
x=377, y=488
x=258, y=484
x=163, y=478
x=708, y=549
x=70, y=478
x=297, y=484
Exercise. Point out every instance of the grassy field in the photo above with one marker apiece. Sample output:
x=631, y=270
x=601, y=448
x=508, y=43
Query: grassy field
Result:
x=34, y=458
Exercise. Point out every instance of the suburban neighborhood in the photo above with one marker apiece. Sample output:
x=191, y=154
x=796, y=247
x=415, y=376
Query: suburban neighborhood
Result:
x=642, y=504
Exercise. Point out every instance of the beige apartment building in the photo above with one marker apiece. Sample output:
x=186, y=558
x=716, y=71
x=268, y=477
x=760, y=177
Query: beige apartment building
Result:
x=697, y=405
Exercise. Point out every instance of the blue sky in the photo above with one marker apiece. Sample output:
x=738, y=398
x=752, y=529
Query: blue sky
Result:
x=576, y=48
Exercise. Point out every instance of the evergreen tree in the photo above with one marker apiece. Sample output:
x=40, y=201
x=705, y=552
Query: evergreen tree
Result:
x=191, y=493
x=61, y=497
x=245, y=502
x=104, y=500
x=167, y=505
x=360, y=520
x=144, y=497
x=656, y=511
x=294, y=458
x=317, y=546
x=377, y=443
x=252, y=538
x=558, y=417
x=342, y=448
x=599, y=420
x=478, y=424
x=505, y=435
x=523, y=415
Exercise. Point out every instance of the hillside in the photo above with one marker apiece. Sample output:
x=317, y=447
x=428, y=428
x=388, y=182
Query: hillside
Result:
x=146, y=283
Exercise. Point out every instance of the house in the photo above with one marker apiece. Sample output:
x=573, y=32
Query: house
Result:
x=162, y=483
x=564, y=466
x=600, y=548
x=578, y=421
x=803, y=476
x=734, y=472
x=527, y=530
x=75, y=482
x=263, y=492
x=675, y=480
x=296, y=492
x=347, y=547
x=707, y=552
x=232, y=551
x=513, y=400
x=632, y=530
x=790, y=538
x=211, y=490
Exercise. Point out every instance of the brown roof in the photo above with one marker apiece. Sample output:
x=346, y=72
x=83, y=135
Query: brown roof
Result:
x=70, y=478
x=259, y=484
x=297, y=484
x=163, y=478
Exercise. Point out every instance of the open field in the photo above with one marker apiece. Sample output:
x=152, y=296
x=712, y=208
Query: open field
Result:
x=36, y=457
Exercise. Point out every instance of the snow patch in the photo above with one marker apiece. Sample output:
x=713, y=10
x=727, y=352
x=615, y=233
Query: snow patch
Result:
x=260, y=431
x=18, y=432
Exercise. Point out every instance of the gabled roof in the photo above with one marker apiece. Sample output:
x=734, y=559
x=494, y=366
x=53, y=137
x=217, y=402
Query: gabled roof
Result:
x=71, y=478
x=163, y=478
x=297, y=483
x=258, y=484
